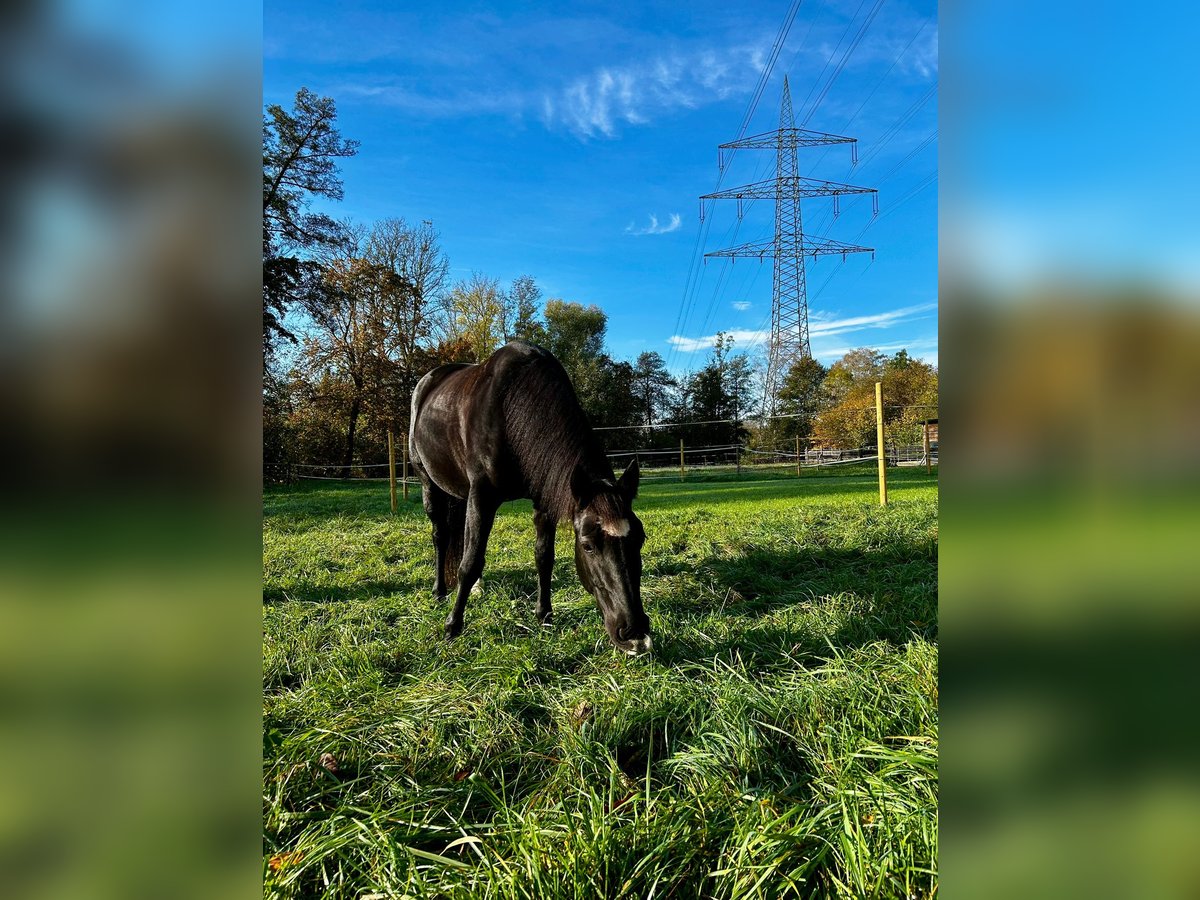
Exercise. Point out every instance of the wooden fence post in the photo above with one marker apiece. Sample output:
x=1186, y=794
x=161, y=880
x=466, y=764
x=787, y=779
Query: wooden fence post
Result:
x=681, y=459
x=879, y=435
x=928, y=461
x=392, y=470
x=797, y=455
x=404, y=465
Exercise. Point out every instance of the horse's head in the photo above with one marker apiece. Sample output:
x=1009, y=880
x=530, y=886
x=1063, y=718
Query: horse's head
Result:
x=608, y=557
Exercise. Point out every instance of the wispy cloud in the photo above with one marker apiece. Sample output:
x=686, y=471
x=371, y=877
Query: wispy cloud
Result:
x=447, y=104
x=819, y=326
x=742, y=338
x=741, y=305
x=654, y=227
x=596, y=104
x=923, y=60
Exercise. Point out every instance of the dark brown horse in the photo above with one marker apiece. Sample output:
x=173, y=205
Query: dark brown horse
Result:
x=510, y=428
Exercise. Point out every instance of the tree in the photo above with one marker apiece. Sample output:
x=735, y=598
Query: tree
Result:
x=856, y=367
x=849, y=419
x=415, y=255
x=910, y=388
x=801, y=397
x=357, y=315
x=611, y=401
x=524, y=296
x=720, y=390
x=477, y=312
x=300, y=153
x=418, y=268
x=652, y=386
x=575, y=334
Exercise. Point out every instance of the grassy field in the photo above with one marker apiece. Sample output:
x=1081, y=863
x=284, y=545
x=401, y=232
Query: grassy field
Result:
x=780, y=742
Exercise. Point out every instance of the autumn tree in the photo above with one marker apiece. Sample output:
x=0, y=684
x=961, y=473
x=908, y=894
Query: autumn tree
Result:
x=849, y=419
x=478, y=312
x=910, y=388
x=351, y=333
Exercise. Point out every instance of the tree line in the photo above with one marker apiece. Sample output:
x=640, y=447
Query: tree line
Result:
x=354, y=314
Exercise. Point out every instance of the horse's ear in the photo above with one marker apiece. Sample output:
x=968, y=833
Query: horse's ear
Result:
x=628, y=482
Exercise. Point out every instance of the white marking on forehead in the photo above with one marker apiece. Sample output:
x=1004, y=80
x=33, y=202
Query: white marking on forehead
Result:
x=619, y=528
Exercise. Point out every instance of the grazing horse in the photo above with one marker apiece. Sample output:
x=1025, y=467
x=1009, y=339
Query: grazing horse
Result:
x=509, y=428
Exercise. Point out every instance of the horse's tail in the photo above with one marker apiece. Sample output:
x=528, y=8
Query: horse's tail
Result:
x=456, y=527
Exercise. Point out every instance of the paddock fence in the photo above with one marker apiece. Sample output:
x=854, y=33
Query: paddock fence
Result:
x=666, y=463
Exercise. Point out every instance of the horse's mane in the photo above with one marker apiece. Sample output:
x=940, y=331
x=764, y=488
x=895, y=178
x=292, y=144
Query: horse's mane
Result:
x=550, y=436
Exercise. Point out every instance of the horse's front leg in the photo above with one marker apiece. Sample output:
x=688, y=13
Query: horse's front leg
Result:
x=481, y=514
x=544, y=554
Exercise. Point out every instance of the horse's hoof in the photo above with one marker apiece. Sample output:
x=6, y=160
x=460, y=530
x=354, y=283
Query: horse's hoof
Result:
x=546, y=621
x=453, y=630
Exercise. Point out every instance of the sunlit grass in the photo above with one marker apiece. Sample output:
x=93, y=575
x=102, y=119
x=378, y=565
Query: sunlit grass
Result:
x=782, y=741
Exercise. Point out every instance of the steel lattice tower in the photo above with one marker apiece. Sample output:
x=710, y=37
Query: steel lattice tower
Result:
x=789, y=297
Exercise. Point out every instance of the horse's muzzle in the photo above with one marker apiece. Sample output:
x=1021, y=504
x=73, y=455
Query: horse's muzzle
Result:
x=638, y=646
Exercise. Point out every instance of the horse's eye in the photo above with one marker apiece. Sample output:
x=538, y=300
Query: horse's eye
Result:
x=589, y=548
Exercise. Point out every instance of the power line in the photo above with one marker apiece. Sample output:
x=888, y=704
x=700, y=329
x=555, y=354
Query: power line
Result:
x=883, y=77
x=862, y=31
x=832, y=52
x=691, y=284
x=824, y=221
x=925, y=183
x=895, y=127
x=853, y=118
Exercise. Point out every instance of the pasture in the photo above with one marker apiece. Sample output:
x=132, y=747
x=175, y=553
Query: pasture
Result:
x=780, y=742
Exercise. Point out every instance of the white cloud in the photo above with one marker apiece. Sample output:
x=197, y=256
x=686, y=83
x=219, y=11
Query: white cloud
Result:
x=742, y=338
x=596, y=104
x=654, y=227
x=741, y=305
x=820, y=326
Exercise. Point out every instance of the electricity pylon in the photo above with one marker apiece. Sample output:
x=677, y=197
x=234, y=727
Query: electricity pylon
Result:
x=789, y=299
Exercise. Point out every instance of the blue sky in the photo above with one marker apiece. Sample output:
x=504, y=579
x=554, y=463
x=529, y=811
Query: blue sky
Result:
x=571, y=141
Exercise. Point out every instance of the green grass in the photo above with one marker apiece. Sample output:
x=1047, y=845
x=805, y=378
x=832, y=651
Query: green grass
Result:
x=780, y=742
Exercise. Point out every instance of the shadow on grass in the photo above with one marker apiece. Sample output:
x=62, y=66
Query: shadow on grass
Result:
x=510, y=580
x=307, y=592
x=852, y=598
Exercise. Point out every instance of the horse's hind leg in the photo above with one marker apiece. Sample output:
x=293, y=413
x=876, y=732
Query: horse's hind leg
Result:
x=481, y=514
x=446, y=515
x=544, y=554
